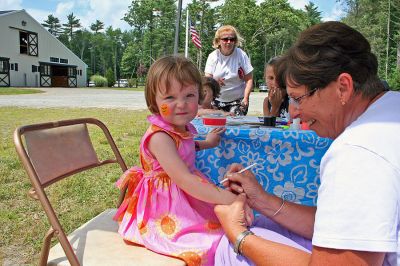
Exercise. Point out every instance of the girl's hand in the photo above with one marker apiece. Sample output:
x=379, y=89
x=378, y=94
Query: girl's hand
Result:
x=214, y=136
x=233, y=217
x=275, y=97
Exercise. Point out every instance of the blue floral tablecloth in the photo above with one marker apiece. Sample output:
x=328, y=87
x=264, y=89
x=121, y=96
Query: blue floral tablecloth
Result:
x=287, y=160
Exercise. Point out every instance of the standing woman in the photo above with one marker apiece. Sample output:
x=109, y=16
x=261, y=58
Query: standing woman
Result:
x=231, y=67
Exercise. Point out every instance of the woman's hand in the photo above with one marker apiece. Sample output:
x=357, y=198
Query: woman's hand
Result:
x=221, y=81
x=214, y=136
x=245, y=102
x=233, y=217
x=245, y=182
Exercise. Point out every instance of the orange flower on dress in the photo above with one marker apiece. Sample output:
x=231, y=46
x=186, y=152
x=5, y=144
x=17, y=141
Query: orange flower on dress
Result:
x=167, y=226
x=163, y=180
x=191, y=258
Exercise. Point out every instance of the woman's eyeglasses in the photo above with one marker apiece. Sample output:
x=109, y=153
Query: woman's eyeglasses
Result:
x=231, y=39
x=297, y=101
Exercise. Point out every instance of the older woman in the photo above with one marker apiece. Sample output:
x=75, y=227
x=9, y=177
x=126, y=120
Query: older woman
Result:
x=332, y=82
x=231, y=67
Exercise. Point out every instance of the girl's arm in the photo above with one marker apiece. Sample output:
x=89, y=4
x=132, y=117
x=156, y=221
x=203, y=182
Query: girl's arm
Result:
x=266, y=110
x=164, y=150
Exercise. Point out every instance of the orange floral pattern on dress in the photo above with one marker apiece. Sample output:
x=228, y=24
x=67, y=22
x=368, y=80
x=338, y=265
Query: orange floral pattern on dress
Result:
x=191, y=258
x=164, y=181
x=167, y=225
x=142, y=228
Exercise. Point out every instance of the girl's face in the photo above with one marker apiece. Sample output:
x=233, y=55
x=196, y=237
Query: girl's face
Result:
x=179, y=105
x=227, y=42
x=208, y=97
x=270, y=77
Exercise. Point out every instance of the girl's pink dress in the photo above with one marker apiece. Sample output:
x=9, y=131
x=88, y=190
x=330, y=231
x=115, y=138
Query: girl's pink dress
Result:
x=159, y=215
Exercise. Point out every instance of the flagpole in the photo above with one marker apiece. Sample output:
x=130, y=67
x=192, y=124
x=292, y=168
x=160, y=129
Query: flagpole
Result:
x=187, y=34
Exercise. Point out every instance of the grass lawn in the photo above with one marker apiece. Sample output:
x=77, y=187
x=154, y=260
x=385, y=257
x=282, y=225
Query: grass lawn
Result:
x=13, y=91
x=23, y=223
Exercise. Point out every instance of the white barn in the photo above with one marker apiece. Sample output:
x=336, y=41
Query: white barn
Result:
x=30, y=56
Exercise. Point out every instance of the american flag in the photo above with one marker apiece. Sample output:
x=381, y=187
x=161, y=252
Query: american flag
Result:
x=195, y=36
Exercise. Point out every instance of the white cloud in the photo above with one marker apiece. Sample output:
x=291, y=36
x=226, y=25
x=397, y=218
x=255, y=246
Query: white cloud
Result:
x=298, y=4
x=64, y=9
x=10, y=4
x=110, y=12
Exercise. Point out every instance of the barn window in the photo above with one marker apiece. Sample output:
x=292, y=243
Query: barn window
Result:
x=3, y=65
x=45, y=70
x=28, y=43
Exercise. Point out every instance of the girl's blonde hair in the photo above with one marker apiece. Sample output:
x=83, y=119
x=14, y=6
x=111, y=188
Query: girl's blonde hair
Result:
x=239, y=39
x=163, y=71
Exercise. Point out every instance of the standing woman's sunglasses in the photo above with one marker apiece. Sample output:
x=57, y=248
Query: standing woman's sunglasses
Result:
x=231, y=39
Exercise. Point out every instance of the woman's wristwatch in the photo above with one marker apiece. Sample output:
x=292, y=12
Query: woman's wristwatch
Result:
x=240, y=240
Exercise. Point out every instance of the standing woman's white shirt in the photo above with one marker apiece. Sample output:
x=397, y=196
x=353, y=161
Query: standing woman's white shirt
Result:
x=228, y=68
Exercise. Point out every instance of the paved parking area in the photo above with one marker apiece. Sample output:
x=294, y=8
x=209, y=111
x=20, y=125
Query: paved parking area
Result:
x=100, y=98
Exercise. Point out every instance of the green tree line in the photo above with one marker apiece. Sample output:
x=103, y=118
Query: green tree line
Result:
x=269, y=28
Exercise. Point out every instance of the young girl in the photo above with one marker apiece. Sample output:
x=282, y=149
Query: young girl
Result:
x=277, y=102
x=169, y=204
x=211, y=90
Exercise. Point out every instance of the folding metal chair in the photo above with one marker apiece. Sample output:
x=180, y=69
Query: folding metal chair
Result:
x=53, y=151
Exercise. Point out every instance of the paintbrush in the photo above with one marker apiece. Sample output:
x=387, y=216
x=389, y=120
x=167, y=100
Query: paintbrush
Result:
x=241, y=171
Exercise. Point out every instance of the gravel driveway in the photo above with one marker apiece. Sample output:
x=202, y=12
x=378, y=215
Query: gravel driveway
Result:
x=100, y=98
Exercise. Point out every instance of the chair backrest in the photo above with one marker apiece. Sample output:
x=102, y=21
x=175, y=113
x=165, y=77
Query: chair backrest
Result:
x=53, y=151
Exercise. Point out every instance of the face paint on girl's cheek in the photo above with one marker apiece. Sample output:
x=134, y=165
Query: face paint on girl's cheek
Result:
x=164, y=109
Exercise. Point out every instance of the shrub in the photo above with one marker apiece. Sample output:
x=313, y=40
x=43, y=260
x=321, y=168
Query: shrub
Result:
x=132, y=83
x=99, y=81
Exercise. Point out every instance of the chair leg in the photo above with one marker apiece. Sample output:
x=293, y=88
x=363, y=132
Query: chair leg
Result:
x=44, y=254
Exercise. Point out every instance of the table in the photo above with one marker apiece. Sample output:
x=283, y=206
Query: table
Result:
x=287, y=160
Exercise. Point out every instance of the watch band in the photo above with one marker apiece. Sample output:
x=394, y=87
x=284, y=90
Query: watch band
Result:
x=240, y=239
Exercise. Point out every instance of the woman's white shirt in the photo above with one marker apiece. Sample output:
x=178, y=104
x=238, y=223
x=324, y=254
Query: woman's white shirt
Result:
x=227, y=67
x=359, y=196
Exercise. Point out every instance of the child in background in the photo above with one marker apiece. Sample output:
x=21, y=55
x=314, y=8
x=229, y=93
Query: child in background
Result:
x=211, y=90
x=169, y=207
x=277, y=101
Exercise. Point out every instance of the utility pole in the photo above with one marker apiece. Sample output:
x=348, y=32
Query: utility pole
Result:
x=177, y=23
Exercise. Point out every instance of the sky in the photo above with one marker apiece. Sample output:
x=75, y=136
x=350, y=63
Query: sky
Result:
x=111, y=11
